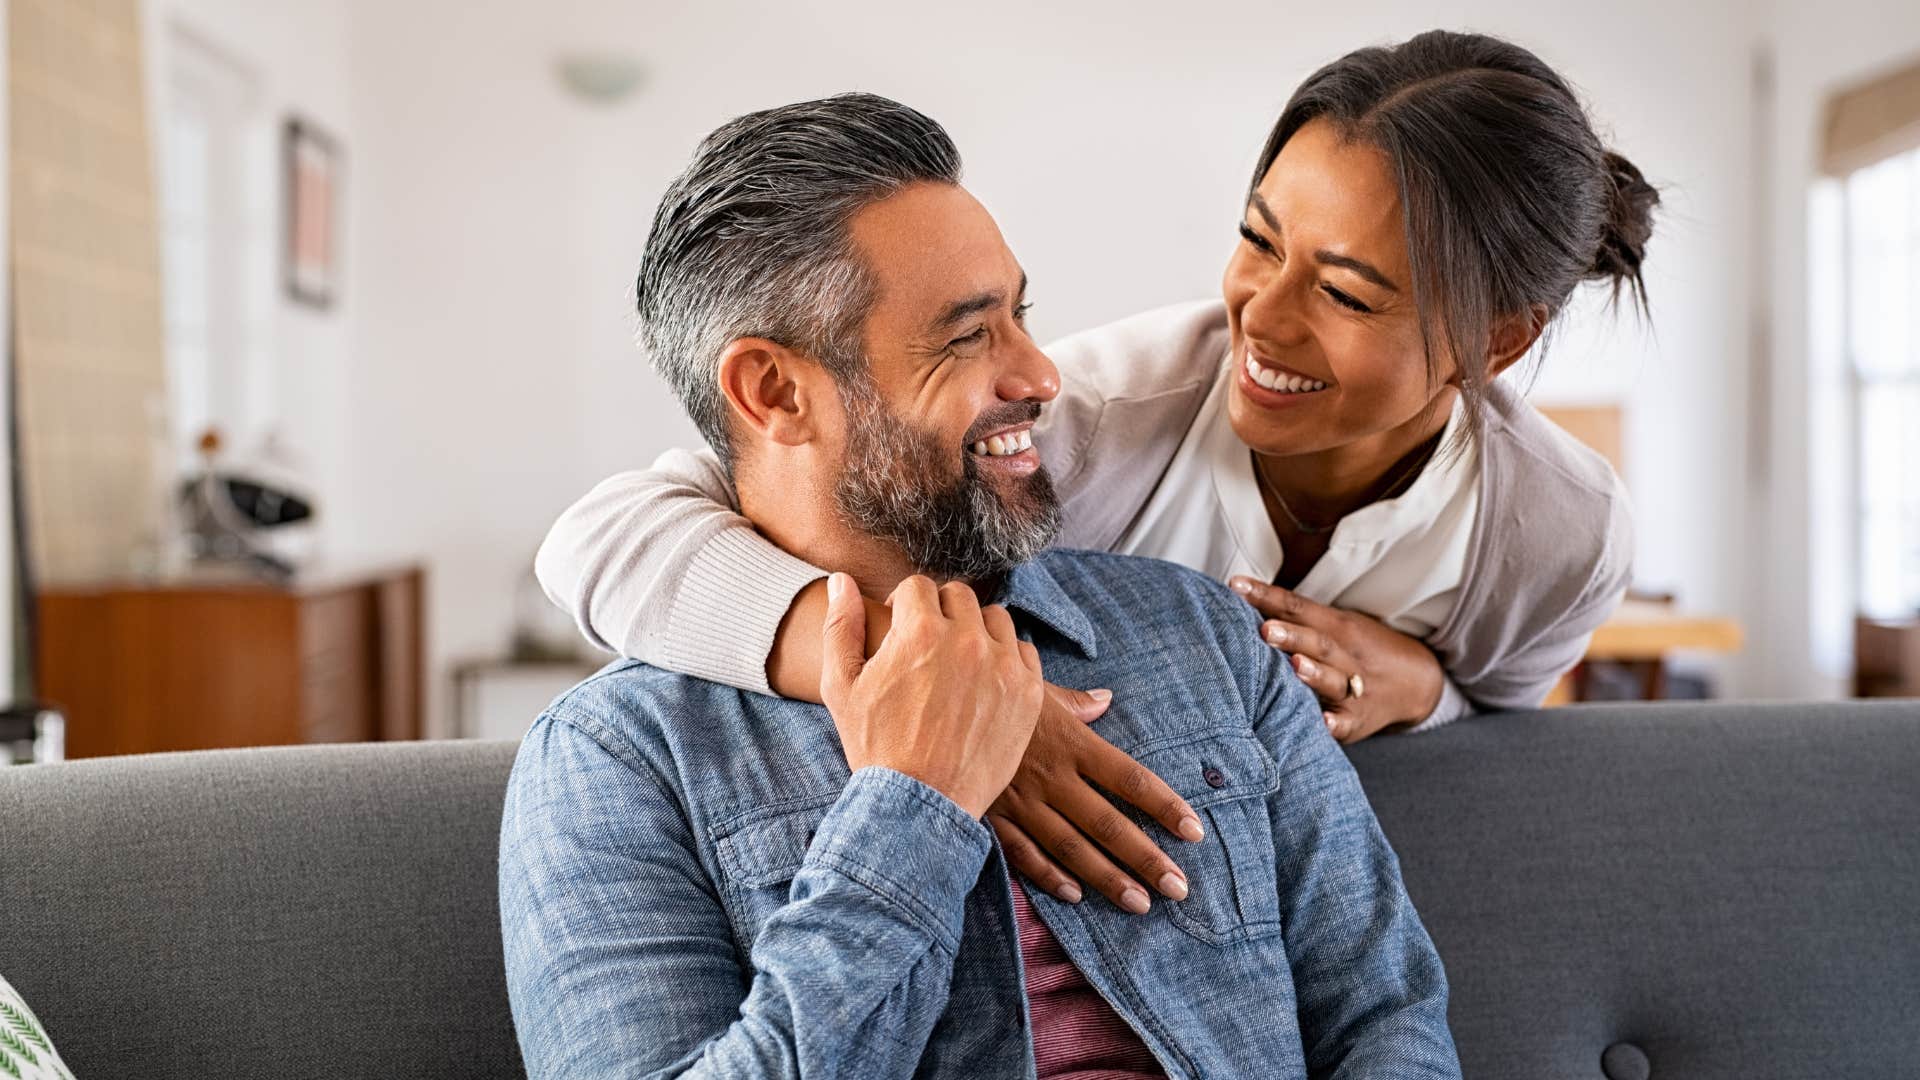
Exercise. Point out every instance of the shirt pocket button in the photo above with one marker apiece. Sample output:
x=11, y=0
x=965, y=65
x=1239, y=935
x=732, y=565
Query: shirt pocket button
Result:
x=1225, y=776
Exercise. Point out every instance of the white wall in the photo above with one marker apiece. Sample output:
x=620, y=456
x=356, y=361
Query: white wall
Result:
x=296, y=53
x=1807, y=579
x=484, y=278
x=497, y=225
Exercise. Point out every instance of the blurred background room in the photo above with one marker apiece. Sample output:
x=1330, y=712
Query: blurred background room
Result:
x=319, y=312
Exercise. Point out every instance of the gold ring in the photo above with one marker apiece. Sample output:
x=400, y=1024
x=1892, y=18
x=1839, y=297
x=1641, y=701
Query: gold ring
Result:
x=1356, y=689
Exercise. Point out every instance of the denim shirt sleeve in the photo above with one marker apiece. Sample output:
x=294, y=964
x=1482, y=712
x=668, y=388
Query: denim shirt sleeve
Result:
x=1371, y=991
x=621, y=960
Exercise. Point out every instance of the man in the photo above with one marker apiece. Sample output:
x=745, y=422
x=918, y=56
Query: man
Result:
x=700, y=881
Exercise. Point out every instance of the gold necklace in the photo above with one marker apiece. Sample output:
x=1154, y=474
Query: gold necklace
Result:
x=1393, y=489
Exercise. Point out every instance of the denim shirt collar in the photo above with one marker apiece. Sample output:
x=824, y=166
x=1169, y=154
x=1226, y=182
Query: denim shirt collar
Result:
x=1032, y=591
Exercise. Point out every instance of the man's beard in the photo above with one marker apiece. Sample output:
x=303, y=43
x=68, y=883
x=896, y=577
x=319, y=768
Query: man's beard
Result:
x=897, y=485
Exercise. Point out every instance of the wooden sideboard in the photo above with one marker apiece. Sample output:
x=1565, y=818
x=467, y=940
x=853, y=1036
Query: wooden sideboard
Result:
x=201, y=664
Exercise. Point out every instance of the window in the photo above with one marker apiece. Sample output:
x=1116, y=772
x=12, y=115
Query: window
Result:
x=1880, y=205
x=216, y=252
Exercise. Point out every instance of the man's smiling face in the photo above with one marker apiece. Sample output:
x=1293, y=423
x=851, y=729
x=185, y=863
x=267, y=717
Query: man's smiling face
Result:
x=939, y=457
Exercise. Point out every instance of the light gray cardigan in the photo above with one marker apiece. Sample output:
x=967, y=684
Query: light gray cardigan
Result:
x=657, y=565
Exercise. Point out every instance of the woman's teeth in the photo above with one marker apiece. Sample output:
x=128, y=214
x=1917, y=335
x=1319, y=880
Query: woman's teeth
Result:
x=1282, y=384
x=1005, y=445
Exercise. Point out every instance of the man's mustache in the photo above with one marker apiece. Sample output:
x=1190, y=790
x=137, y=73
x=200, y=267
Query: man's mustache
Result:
x=1001, y=416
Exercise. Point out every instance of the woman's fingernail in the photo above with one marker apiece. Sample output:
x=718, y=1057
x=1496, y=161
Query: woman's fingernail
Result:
x=1190, y=829
x=1173, y=885
x=1136, y=901
x=836, y=586
x=1331, y=725
x=1307, y=668
x=1101, y=696
x=1277, y=636
x=1069, y=892
x=1241, y=585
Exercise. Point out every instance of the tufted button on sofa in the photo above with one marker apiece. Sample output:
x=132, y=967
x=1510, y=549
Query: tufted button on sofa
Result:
x=1625, y=1061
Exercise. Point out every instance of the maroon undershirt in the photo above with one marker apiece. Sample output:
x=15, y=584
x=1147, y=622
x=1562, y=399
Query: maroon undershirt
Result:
x=1076, y=1034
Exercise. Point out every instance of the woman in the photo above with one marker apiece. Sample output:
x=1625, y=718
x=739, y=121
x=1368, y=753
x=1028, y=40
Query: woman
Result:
x=1334, y=438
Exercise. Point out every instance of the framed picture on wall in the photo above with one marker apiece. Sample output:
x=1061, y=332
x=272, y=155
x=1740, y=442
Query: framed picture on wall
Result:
x=312, y=251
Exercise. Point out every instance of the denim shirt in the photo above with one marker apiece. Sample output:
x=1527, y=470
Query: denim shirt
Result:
x=692, y=884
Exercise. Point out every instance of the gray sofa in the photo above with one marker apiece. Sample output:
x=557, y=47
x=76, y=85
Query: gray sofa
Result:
x=1687, y=891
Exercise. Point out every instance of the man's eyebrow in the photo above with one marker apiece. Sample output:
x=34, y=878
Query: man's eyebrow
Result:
x=960, y=310
x=1366, y=270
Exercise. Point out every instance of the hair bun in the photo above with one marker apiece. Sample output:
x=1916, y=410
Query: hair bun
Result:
x=1628, y=227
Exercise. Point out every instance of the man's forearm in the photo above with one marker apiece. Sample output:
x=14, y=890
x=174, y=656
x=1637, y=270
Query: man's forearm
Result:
x=851, y=974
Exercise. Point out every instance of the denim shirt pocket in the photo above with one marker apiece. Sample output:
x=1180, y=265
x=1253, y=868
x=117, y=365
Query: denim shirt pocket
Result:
x=761, y=851
x=1234, y=894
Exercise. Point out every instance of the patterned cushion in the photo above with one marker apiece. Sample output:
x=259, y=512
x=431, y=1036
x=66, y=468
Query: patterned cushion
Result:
x=25, y=1051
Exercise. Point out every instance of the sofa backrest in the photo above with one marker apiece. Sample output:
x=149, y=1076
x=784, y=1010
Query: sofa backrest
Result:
x=323, y=911
x=1711, y=891
x=1702, y=891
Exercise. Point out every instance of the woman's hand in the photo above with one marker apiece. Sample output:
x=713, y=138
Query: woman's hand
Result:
x=1053, y=808
x=1052, y=804
x=1368, y=676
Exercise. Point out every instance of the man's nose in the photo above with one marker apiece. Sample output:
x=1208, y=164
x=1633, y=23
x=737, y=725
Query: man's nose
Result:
x=1028, y=375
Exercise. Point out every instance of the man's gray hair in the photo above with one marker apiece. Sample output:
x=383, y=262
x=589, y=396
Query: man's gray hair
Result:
x=752, y=240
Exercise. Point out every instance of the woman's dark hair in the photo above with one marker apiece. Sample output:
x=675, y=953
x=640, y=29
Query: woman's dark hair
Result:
x=1510, y=198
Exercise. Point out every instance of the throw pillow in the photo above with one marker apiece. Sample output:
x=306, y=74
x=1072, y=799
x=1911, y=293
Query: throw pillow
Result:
x=26, y=1053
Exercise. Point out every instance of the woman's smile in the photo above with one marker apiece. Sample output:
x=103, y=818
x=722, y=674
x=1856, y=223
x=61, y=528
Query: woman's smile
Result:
x=1270, y=385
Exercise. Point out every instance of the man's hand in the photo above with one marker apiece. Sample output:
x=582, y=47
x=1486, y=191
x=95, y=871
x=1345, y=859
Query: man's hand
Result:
x=950, y=698
x=1369, y=676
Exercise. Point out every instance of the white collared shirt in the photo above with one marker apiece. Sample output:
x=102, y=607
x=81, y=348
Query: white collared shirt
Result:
x=1400, y=560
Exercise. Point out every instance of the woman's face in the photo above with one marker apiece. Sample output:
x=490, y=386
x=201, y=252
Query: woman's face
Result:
x=1326, y=337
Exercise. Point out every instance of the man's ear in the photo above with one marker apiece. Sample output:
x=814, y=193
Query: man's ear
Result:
x=768, y=387
x=1512, y=336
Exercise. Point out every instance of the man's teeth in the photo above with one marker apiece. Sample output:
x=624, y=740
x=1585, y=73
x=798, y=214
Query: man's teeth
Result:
x=1005, y=445
x=1283, y=384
